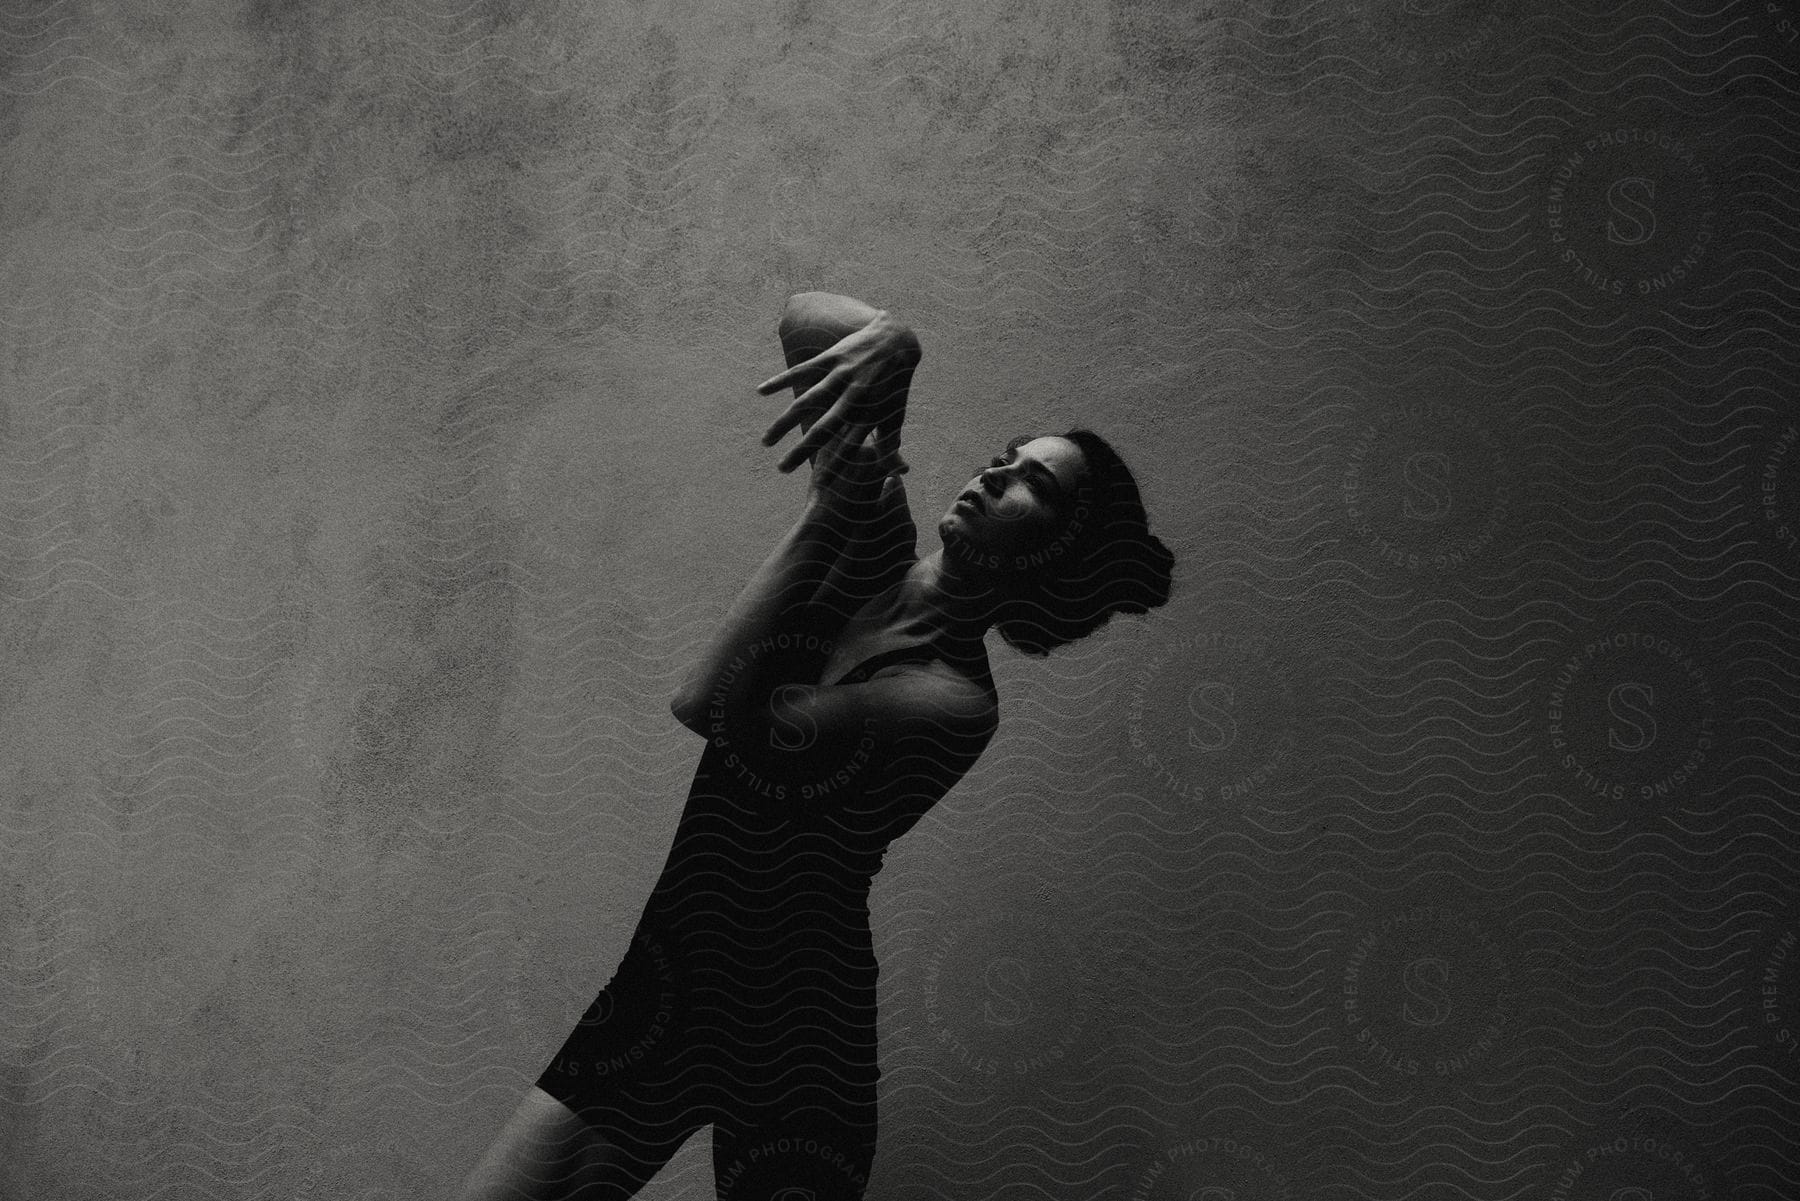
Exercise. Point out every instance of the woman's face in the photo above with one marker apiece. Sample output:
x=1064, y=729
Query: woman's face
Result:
x=1018, y=503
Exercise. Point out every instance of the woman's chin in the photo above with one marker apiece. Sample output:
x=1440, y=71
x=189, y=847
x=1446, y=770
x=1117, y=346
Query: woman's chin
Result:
x=955, y=527
x=961, y=549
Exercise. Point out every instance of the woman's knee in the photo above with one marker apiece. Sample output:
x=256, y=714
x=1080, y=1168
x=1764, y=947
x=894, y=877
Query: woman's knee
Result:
x=545, y=1152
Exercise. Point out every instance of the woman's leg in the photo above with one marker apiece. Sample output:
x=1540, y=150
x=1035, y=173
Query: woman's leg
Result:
x=612, y=1105
x=546, y=1153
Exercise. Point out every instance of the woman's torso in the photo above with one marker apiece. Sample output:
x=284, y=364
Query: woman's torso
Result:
x=764, y=894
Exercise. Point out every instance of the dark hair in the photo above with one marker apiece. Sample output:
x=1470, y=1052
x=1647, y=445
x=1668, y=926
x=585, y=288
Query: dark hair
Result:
x=1108, y=561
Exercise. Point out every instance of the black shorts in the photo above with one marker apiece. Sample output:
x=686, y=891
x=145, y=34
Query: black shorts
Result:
x=785, y=1074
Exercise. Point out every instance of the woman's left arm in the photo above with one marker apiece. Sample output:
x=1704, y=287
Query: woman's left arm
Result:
x=848, y=363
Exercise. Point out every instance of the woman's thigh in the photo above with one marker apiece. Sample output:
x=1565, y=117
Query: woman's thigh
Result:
x=545, y=1152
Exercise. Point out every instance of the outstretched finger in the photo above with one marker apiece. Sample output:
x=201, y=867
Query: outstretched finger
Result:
x=816, y=437
x=807, y=406
x=800, y=373
x=794, y=414
x=826, y=427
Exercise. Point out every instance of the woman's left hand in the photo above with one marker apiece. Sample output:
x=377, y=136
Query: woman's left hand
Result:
x=860, y=380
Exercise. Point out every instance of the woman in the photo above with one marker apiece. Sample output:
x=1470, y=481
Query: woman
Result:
x=846, y=691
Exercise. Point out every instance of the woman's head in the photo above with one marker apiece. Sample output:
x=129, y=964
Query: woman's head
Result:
x=1055, y=524
x=1017, y=504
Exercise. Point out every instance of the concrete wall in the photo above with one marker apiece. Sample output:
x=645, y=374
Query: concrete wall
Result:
x=379, y=439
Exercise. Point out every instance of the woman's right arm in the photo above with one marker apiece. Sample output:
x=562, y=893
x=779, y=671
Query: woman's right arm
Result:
x=871, y=555
x=882, y=545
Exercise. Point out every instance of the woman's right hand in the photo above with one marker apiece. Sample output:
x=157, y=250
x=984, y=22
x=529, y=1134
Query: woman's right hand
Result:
x=848, y=478
x=860, y=380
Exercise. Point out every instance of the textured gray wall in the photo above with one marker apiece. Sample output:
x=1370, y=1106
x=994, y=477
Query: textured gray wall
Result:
x=379, y=439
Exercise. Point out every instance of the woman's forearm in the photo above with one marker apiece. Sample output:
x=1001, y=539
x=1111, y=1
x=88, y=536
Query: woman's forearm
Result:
x=869, y=554
x=739, y=669
x=815, y=321
x=812, y=321
x=860, y=379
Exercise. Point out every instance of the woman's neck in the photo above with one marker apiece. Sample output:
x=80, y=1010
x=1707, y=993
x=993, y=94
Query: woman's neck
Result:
x=933, y=601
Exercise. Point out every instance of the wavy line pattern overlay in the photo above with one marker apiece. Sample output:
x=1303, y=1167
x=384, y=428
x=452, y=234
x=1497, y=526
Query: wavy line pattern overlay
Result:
x=378, y=451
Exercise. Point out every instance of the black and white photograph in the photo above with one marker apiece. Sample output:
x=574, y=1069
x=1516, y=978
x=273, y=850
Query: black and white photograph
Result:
x=822, y=600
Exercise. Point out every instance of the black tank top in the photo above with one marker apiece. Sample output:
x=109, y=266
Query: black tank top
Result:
x=767, y=882
x=753, y=962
